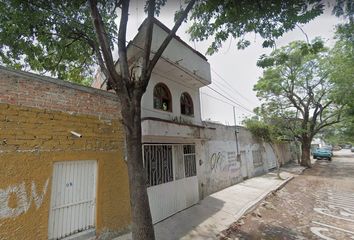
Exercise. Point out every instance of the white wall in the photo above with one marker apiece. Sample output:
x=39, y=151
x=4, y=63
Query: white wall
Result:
x=176, y=90
x=178, y=52
x=221, y=167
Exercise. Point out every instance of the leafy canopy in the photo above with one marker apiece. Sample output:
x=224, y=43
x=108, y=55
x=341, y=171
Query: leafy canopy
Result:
x=295, y=89
x=268, y=18
x=342, y=76
x=52, y=37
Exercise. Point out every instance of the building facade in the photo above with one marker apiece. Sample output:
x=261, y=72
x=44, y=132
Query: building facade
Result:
x=61, y=160
x=185, y=158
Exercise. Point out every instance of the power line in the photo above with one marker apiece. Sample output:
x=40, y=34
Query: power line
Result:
x=226, y=93
x=218, y=92
x=218, y=99
x=223, y=79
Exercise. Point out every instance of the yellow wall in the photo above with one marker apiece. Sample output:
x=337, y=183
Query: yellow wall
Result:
x=31, y=140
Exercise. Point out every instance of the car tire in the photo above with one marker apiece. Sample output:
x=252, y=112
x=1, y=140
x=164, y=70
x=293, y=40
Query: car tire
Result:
x=329, y=159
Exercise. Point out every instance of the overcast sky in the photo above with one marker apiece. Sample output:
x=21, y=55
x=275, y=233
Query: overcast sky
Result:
x=234, y=72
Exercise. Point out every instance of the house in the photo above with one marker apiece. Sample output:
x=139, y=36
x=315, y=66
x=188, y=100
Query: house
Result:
x=62, y=164
x=185, y=158
x=171, y=121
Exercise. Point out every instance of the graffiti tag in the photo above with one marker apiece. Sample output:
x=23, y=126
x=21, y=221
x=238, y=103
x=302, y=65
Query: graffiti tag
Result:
x=215, y=160
x=15, y=201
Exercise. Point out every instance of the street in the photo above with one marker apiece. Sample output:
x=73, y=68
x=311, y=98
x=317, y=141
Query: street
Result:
x=319, y=204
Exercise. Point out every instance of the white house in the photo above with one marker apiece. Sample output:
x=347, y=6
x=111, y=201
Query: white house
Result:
x=171, y=121
x=185, y=158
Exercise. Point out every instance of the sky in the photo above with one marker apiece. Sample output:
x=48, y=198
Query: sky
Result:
x=234, y=72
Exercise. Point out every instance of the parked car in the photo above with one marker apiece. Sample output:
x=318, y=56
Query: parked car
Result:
x=337, y=148
x=319, y=153
x=329, y=148
x=352, y=149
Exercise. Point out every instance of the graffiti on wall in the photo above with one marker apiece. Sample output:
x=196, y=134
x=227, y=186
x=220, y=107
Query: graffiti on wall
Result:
x=216, y=160
x=224, y=162
x=14, y=200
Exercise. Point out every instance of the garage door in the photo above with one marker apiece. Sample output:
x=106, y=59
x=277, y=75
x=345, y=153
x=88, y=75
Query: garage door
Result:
x=73, y=198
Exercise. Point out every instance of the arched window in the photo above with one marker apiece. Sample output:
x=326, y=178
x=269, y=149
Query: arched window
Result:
x=186, y=104
x=162, y=98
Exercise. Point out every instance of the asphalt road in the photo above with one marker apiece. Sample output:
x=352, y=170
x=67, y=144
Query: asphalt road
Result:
x=319, y=204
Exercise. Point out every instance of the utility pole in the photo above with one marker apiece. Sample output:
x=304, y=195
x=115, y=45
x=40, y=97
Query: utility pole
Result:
x=237, y=151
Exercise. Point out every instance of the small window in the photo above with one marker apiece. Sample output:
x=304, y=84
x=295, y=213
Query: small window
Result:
x=186, y=104
x=190, y=164
x=162, y=98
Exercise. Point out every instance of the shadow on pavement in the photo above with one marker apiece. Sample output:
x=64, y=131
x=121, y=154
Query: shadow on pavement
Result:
x=192, y=222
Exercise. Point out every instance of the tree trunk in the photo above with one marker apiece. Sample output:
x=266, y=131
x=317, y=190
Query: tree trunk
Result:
x=305, y=155
x=142, y=227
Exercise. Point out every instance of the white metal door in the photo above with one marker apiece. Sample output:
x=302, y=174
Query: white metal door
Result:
x=172, y=176
x=73, y=198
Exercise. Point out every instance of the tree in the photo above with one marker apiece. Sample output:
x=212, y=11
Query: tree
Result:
x=296, y=92
x=267, y=133
x=66, y=39
x=342, y=76
x=222, y=19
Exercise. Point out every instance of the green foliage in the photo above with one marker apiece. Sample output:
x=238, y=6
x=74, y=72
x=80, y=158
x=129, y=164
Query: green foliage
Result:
x=260, y=130
x=268, y=18
x=296, y=91
x=52, y=37
x=342, y=76
x=342, y=65
x=344, y=8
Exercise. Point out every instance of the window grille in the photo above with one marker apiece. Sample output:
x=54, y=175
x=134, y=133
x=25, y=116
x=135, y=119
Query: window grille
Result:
x=158, y=164
x=189, y=160
x=166, y=163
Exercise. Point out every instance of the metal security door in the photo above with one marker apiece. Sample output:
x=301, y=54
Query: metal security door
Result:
x=73, y=198
x=172, y=178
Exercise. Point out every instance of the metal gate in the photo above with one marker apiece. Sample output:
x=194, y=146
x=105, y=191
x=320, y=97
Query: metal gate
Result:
x=172, y=178
x=73, y=198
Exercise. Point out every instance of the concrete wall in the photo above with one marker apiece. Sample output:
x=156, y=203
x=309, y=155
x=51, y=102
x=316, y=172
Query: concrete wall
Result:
x=176, y=90
x=36, y=117
x=221, y=167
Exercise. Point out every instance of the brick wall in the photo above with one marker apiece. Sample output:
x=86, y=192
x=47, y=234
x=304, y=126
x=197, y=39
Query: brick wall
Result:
x=36, y=117
x=22, y=88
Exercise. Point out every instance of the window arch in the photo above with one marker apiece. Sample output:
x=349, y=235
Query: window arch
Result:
x=186, y=104
x=162, y=98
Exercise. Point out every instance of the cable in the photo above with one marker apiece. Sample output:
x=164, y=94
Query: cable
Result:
x=226, y=93
x=220, y=77
x=218, y=92
x=223, y=101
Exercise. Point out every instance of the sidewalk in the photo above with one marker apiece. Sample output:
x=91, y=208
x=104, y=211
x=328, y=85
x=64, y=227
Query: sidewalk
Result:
x=216, y=212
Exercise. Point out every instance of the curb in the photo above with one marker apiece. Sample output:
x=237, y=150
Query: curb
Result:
x=252, y=205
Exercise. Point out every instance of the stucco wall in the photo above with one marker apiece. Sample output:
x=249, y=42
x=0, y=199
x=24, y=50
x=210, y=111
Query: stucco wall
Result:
x=36, y=117
x=221, y=167
x=176, y=90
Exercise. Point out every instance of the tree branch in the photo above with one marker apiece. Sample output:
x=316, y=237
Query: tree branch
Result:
x=167, y=41
x=148, y=39
x=107, y=66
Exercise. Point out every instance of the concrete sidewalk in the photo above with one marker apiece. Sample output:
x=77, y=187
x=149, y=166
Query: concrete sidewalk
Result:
x=218, y=211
